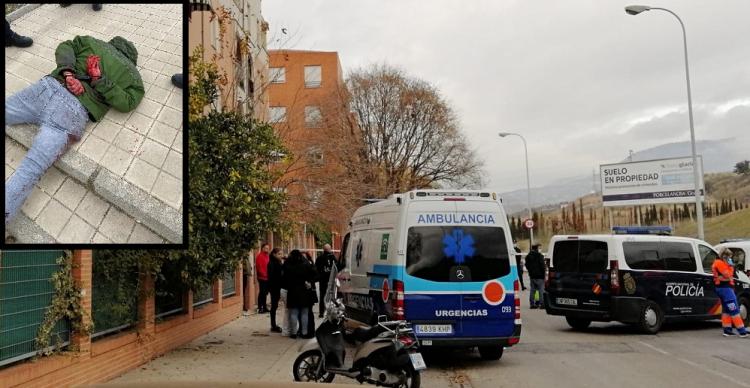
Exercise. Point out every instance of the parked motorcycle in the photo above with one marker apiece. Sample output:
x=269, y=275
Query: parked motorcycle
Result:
x=385, y=354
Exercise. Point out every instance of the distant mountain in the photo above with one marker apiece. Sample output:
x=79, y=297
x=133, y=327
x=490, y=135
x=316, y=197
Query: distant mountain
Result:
x=718, y=156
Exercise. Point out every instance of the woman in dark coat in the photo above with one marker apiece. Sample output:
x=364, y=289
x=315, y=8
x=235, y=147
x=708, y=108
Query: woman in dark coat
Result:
x=297, y=278
x=274, y=284
x=313, y=299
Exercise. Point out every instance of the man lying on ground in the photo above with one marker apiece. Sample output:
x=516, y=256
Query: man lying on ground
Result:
x=91, y=76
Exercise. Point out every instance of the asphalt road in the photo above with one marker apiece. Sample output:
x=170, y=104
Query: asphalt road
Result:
x=551, y=354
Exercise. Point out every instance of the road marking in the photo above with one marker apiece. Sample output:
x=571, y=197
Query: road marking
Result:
x=701, y=367
x=653, y=347
x=696, y=365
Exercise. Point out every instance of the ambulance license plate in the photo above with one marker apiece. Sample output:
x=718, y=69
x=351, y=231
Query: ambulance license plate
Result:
x=434, y=329
x=567, y=301
x=417, y=361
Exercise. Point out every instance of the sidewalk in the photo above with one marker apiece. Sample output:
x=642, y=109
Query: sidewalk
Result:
x=244, y=350
x=122, y=182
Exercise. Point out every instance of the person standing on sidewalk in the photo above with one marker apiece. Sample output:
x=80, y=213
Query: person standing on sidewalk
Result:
x=723, y=271
x=274, y=284
x=535, y=267
x=324, y=264
x=261, y=270
x=519, y=267
x=297, y=278
x=313, y=298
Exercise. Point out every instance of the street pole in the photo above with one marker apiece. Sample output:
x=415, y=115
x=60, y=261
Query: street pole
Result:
x=528, y=184
x=635, y=10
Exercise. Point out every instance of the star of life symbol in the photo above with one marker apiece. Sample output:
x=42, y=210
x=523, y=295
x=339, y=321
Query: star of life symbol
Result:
x=458, y=245
x=460, y=274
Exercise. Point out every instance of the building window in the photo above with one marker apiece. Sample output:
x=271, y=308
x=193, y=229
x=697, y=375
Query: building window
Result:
x=277, y=114
x=313, y=117
x=215, y=34
x=278, y=75
x=239, y=69
x=313, y=76
x=315, y=156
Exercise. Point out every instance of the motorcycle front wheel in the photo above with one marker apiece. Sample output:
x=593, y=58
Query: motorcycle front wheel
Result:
x=306, y=365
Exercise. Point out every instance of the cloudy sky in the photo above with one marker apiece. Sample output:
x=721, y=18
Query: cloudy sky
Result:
x=581, y=80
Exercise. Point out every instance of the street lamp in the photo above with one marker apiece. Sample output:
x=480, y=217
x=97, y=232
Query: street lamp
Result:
x=528, y=185
x=635, y=10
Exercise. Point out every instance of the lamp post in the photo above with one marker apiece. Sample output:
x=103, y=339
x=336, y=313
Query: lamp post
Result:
x=635, y=10
x=528, y=185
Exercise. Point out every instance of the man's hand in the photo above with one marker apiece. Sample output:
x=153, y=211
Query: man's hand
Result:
x=92, y=67
x=73, y=85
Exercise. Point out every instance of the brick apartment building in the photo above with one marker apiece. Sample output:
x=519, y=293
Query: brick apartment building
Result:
x=306, y=94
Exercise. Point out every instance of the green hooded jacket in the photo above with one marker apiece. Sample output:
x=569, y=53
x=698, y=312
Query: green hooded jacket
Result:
x=120, y=85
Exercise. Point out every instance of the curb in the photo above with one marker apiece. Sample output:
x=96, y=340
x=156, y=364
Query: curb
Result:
x=158, y=216
x=24, y=229
x=21, y=11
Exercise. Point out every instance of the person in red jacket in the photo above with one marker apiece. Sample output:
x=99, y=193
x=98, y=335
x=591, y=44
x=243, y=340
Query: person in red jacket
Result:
x=724, y=280
x=261, y=270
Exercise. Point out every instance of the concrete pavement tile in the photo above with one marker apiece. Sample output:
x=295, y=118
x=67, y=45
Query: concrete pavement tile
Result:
x=117, y=225
x=14, y=153
x=35, y=202
x=116, y=160
x=153, y=152
x=8, y=171
x=94, y=148
x=14, y=83
x=158, y=92
x=170, y=47
x=177, y=143
x=51, y=181
x=148, y=76
x=107, y=129
x=77, y=231
x=173, y=164
x=128, y=141
x=142, y=174
x=53, y=218
x=171, y=117
x=153, y=64
x=162, y=133
x=92, y=209
x=117, y=116
x=144, y=116
x=170, y=69
x=141, y=235
x=70, y=194
x=168, y=190
x=175, y=101
x=100, y=239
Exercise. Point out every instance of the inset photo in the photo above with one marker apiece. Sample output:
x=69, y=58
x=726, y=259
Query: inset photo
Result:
x=94, y=124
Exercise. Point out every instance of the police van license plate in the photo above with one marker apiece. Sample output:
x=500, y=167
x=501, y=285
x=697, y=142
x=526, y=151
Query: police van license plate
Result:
x=567, y=301
x=434, y=329
x=417, y=361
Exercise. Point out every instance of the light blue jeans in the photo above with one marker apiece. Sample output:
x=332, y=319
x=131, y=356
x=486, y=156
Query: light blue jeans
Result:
x=61, y=119
x=298, y=316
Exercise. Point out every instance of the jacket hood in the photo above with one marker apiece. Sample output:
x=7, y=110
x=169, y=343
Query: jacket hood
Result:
x=126, y=47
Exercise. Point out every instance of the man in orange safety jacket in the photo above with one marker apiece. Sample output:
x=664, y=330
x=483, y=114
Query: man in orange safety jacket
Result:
x=724, y=281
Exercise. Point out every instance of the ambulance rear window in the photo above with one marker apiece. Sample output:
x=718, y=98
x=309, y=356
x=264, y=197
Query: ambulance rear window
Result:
x=457, y=253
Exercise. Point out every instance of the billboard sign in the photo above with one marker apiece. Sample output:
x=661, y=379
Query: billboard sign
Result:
x=650, y=182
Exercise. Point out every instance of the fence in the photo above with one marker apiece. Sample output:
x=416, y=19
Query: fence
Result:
x=228, y=285
x=169, y=292
x=114, y=298
x=203, y=296
x=26, y=292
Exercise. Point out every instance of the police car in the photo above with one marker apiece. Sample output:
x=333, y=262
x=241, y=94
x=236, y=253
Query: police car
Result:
x=637, y=279
x=439, y=259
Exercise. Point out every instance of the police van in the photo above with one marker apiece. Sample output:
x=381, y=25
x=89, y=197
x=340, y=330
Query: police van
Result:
x=640, y=280
x=442, y=261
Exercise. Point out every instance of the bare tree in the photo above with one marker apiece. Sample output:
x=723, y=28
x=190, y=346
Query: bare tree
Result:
x=411, y=136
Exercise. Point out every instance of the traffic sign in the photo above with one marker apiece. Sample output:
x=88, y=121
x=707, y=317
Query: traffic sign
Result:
x=528, y=224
